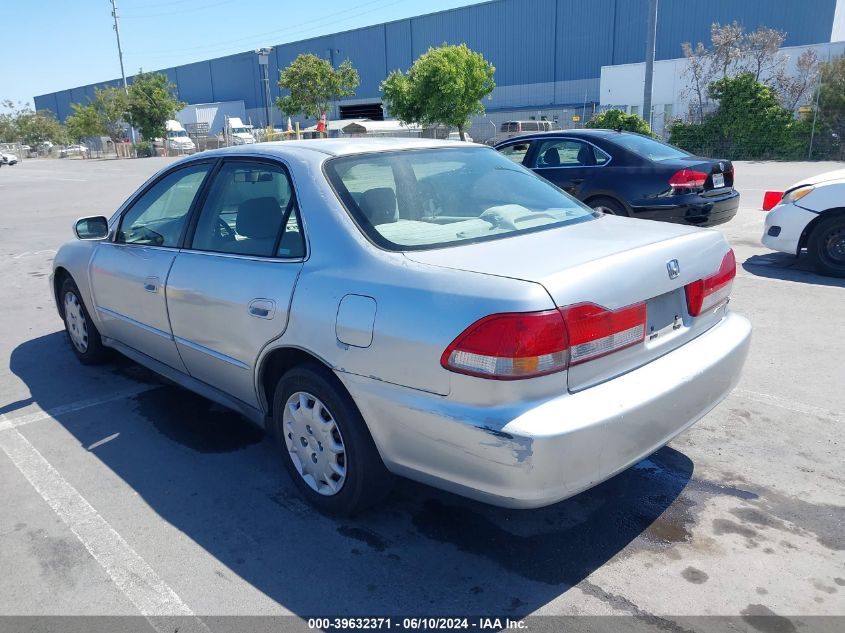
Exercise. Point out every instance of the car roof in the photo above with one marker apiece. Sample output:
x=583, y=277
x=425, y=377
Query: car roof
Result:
x=575, y=133
x=338, y=146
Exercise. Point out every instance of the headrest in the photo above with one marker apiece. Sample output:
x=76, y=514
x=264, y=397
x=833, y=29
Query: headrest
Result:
x=379, y=205
x=259, y=218
x=551, y=157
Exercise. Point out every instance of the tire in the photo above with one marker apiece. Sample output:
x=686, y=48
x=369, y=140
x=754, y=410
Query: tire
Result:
x=82, y=334
x=608, y=206
x=316, y=392
x=826, y=247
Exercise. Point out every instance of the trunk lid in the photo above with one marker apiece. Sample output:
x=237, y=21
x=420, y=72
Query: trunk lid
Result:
x=613, y=262
x=720, y=173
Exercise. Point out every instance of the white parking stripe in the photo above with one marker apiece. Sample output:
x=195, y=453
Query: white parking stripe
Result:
x=10, y=422
x=786, y=403
x=153, y=598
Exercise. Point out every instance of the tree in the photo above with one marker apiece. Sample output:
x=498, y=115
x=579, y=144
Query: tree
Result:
x=617, y=120
x=699, y=70
x=760, y=52
x=445, y=85
x=727, y=46
x=749, y=123
x=794, y=90
x=313, y=84
x=102, y=117
x=151, y=103
x=830, y=124
x=84, y=122
x=112, y=104
x=35, y=128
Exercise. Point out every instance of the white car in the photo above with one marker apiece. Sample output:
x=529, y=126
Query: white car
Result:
x=8, y=159
x=809, y=214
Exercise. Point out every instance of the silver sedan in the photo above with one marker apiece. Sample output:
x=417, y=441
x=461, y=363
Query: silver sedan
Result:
x=419, y=308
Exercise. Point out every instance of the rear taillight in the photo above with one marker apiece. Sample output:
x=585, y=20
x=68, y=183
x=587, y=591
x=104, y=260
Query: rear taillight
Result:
x=595, y=331
x=771, y=199
x=511, y=346
x=710, y=292
x=688, y=179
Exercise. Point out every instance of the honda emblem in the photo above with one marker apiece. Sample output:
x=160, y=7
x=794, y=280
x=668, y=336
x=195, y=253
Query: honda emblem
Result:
x=674, y=268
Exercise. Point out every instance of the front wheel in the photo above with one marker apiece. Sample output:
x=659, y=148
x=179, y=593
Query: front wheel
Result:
x=83, y=335
x=325, y=444
x=826, y=247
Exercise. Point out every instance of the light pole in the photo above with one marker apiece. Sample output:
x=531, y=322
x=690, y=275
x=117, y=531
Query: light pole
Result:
x=120, y=57
x=263, y=61
x=651, y=38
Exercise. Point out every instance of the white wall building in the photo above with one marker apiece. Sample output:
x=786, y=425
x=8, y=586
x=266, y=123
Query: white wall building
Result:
x=622, y=86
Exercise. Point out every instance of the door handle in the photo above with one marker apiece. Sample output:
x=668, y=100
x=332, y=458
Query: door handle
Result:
x=262, y=308
x=151, y=284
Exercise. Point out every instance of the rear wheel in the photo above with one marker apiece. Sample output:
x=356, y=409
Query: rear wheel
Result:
x=826, y=247
x=608, y=206
x=83, y=335
x=326, y=446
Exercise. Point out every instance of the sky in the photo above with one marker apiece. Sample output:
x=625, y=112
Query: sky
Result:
x=62, y=44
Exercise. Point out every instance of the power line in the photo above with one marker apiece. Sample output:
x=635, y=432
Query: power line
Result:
x=297, y=28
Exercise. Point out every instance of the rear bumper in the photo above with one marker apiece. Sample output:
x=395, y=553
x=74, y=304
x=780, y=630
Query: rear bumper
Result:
x=533, y=454
x=696, y=210
x=784, y=226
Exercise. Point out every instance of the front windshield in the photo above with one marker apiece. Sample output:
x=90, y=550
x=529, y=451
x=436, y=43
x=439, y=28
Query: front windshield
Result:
x=240, y=130
x=648, y=147
x=418, y=199
x=177, y=134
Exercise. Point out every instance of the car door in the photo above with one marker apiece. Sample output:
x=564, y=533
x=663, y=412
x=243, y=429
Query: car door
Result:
x=229, y=290
x=129, y=273
x=566, y=162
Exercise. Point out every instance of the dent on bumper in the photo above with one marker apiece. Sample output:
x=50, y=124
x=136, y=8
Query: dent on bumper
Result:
x=533, y=454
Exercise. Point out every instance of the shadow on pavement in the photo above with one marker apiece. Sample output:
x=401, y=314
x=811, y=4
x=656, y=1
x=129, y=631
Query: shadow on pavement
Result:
x=788, y=267
x=214, y=477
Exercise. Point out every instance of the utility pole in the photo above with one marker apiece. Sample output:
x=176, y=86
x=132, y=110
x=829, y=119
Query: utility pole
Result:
x=651, y=38
x=120, y=57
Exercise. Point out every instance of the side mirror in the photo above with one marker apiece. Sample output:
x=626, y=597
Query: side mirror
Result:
x=95, y=228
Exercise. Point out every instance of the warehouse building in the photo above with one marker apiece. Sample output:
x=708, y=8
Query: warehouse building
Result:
x=548, y=54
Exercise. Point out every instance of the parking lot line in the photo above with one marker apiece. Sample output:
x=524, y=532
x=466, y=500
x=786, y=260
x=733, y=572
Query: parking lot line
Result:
x=9, y=422
x=130, y=573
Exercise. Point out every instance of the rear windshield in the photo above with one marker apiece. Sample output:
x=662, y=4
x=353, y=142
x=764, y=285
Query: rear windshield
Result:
x=648, y=147
x=418, y=199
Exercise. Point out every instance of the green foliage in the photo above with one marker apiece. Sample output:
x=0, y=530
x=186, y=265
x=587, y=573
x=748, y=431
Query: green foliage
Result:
x=749, y=123
x=143, y=149
x=445, y=85
x=830, y=123
x=20, y=123
x=85, y=121
x=152, y=102
x=102, y=117
x=313, y=84
x=617, y=120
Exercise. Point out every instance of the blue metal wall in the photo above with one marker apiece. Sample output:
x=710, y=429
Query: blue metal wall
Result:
x=546, y=52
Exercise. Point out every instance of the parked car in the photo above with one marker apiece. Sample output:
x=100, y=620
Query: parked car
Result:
x=410, y=307
x=73, y=150
x=178, y=139
x=511, y=129
x=623, y=173
x=8, y=159
x=809, y=215
x=456, y=136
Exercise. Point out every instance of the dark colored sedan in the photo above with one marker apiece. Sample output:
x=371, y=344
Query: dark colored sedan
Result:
x=623, y=173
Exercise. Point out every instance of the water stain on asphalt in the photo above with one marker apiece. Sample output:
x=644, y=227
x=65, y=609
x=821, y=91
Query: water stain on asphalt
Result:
x=725, y=526
x=589, y=528
x=374, y=540
x=765, y=620
x=194, y=422
x=695, y=576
